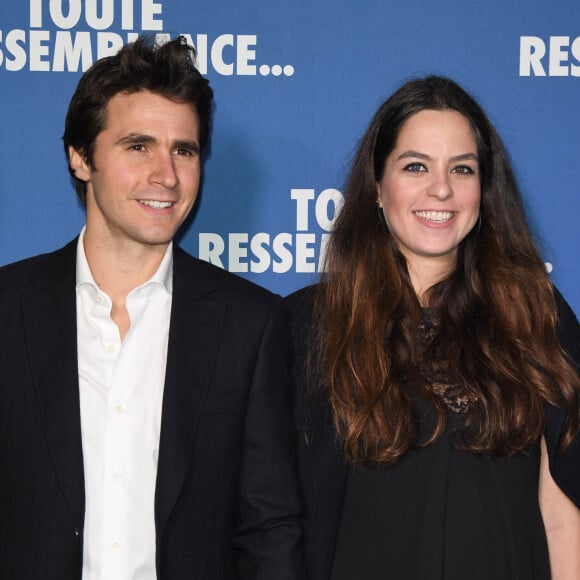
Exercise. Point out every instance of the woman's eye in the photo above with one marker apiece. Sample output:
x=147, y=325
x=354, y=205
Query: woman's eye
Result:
x=415, y=168
x=463, y=170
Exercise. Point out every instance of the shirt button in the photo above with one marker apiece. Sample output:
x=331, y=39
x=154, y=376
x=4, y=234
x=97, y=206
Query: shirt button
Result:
x=111, y=348
x=119, y=409
x=118, y=475
x=98, y=299
x=115, y=545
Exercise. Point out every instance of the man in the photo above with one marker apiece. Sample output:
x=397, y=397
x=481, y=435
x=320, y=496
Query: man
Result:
x=144, y=419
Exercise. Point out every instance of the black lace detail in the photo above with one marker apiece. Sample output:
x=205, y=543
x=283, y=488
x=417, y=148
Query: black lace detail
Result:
x=435, y=374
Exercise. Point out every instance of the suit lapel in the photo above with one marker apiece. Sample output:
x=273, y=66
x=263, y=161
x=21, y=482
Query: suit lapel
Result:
x=49, y=319
x=196, y=326
x=195, y=333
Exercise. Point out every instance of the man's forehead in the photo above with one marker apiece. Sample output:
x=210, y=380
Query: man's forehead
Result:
x=144, y=113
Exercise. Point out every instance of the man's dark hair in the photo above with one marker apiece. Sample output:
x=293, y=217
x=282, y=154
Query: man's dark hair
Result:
x=165, y=69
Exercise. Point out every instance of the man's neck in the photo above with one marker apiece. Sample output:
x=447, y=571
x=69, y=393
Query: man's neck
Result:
x=117, y=270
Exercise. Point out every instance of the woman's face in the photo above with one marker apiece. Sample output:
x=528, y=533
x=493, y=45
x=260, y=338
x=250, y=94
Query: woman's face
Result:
x=430, y=189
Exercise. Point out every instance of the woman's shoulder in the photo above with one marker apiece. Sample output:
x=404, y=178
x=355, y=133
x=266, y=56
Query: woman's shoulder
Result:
x=565, y=465
x=568, y=328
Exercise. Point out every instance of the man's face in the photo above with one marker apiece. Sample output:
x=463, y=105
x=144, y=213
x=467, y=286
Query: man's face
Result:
x=146, y=171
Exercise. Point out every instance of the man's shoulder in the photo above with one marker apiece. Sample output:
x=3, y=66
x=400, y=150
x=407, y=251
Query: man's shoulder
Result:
x=55, y=264
x=223, y=283
x=300, y=304
x=303, y=298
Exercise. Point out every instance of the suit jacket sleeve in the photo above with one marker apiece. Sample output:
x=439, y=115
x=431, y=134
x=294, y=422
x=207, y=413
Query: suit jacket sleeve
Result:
x=268, y=535
x=322, y=469
x=565, y=466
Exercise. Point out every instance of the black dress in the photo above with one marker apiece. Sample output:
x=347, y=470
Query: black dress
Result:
x=440, y=513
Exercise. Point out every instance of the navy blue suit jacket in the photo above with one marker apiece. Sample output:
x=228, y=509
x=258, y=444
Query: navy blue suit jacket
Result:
x=226, y=501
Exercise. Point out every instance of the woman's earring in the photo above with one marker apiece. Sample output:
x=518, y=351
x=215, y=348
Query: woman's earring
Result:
x=382, y=219
x=478, y=226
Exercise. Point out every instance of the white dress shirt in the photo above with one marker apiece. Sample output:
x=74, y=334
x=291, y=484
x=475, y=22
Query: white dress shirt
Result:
x=121, y=393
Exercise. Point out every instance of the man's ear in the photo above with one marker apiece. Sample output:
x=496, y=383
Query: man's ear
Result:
x=79, y=164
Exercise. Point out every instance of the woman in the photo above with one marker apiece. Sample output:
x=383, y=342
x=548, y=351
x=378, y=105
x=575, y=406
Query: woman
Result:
x=435, y=365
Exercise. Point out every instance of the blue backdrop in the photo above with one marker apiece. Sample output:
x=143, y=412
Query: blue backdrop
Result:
x=296, y=84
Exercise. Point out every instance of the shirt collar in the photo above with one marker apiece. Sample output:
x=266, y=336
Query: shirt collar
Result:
x=162, y=277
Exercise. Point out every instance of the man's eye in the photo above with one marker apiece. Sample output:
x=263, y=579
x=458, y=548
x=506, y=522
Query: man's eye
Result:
x=415, y=168
x=186, y=150
x=137, y=147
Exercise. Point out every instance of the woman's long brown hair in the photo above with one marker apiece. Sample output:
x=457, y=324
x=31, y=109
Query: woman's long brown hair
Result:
x=496, y=313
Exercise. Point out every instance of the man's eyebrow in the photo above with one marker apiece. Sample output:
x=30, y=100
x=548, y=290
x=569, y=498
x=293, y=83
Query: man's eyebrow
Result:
x=418, y=155
x=136, y=138
x=143, y=139
x=186, y=144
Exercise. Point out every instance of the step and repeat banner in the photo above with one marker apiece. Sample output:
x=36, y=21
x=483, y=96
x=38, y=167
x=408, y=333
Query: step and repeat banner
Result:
x=296, y=83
